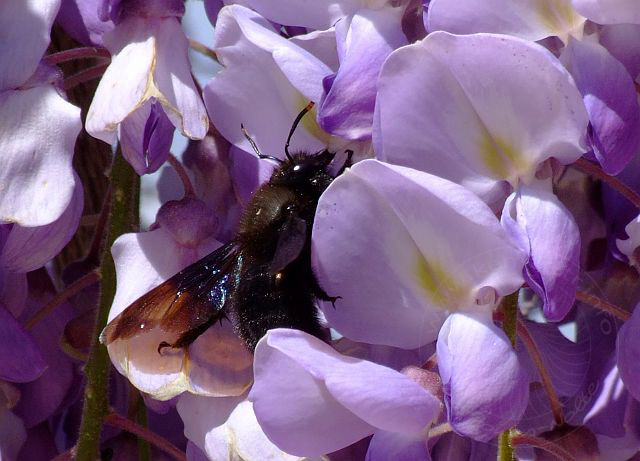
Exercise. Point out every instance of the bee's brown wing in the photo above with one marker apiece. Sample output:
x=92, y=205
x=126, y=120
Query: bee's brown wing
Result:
x=195, y=296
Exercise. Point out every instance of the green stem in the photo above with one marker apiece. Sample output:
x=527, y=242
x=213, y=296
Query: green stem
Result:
x=125, y=185
x=144, y=449
x=510, y=327
x=510, y=321
x=505, y=449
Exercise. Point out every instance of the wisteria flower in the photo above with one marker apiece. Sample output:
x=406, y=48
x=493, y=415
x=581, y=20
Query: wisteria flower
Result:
x=147, y=44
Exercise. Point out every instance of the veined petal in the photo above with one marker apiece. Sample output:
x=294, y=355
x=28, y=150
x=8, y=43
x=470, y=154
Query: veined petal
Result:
x=26, y=29
x=486, y=386
x=610, y=98
x=418, y=246
x=628, y=351
x=553, y=240
x=311, y=400
x=489, y=132
x=609, y=11
x=38, y=130
x=529, y=19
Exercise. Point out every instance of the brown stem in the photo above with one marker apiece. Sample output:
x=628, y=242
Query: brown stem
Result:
x=200, y=48
x=115, y=420
x=594, y=170
x=602, y=305
x=182, y=173
x=85, y=52
x=83, y=282
x=85, y=76
x=546, y=445
x=534, y=352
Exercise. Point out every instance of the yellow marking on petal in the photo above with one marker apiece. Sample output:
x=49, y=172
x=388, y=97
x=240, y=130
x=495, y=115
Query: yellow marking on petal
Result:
x=559, y=17
x=440, y=286
x=501, y=158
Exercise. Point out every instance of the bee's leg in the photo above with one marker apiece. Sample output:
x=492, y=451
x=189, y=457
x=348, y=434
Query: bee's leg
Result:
x=322, y=295
x=188, y=337
x=347, y=163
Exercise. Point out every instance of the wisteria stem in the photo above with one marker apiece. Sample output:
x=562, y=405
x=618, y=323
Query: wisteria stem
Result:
x=182, y=173
x=594, y=170
x=546, y=445
x=85, y=52
x=603, y=305
x=115, y=420
x=509, y=325
x=125, y=186
x=547, y=384
x=505, y=448
x=83, y=282
x=144, y=449
x=200, y=48
x=85, y=76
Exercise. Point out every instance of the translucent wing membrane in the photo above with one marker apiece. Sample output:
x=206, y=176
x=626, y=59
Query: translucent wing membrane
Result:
x=185, y=304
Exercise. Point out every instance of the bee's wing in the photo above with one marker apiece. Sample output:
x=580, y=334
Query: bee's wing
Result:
x=193, y=297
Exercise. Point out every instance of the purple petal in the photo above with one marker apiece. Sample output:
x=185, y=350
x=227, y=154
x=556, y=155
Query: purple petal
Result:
x=145, y=137
x=218, y=363
x=37, y=135
x=347, y=108
x=609, y=11
x=265, y=78
x=567, y=362
x=20, y=52
x=622, y=42
x=418, y=246
x=189, y=221
x=486, y=385
x=12, y=435
x=42, y=397
x=212, y=8
x=529, y=19
x=319, y=14
x=28, y=248
x=79, y=19
x=153, y=55
x=20, y=358
x=310, y=400
x=628, y=351
x=13, y=291
x=480, y=138
x=610, y=98
x=202, y=414
x=399, y=447
x=553, y=244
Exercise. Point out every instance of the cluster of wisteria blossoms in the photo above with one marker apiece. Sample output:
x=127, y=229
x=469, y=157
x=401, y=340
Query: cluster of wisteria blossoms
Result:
x=484, y=244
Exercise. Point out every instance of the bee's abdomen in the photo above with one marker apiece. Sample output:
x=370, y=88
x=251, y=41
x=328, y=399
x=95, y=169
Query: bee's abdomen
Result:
x=264, y=301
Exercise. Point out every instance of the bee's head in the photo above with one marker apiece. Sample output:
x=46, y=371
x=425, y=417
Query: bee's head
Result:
x=304, y=171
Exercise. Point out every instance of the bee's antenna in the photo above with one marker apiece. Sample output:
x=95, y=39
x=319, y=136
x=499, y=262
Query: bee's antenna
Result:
x=255, y=146
x=307, y=108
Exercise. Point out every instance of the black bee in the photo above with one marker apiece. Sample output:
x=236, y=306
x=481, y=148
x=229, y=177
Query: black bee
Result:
x=261, y=279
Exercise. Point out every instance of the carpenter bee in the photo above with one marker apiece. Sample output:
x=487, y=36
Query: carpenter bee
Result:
x=261, y=279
